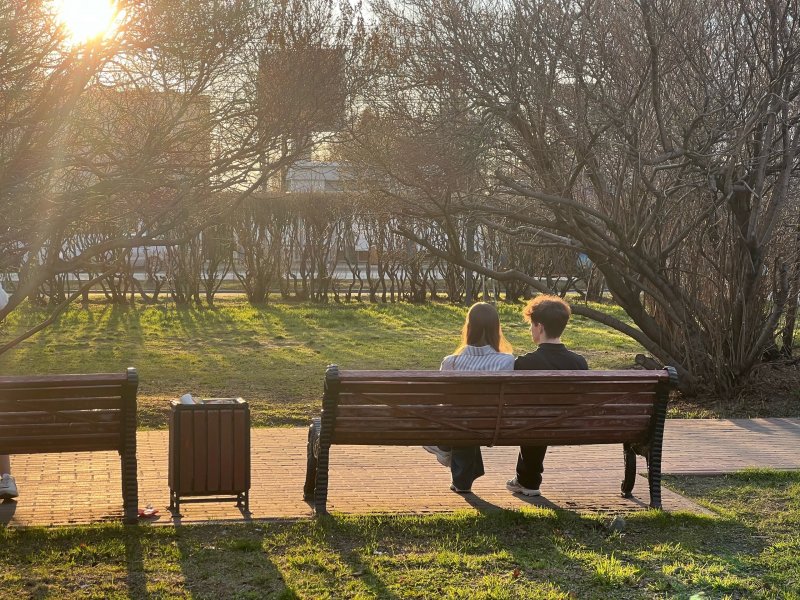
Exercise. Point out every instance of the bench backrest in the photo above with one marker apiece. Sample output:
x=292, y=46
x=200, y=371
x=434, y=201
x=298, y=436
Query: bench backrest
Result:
x=66, y=413
x=493, y=408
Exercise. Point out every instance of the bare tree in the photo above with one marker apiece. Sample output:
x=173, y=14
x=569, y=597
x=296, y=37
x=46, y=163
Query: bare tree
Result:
x=260, y=227
x=218, y=258
x=659, y=139
x=155, y=132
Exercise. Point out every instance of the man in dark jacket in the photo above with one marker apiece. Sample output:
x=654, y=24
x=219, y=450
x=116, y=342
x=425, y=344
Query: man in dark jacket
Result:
x=548, y=316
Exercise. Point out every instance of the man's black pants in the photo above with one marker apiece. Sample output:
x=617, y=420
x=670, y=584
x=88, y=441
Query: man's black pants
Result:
x=530, y=465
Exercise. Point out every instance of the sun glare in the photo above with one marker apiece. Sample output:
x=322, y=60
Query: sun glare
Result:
x=87, y=20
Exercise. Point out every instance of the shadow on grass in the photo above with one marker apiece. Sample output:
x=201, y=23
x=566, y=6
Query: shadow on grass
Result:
x=356, y=550
x=461, y=555
x=657, y=552
x=213, y=562
x=7, y=510
x=229, y=562
x=541, y=549
x=136, y=578
x=533, y=552
x=481, y=505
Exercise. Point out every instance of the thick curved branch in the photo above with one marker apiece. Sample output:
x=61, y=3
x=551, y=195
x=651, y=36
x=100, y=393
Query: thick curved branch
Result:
x=56, y=311
x=578, y=309
x=655, y=76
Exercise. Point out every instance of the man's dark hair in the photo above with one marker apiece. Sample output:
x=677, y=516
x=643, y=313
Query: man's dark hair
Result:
x=550, y=311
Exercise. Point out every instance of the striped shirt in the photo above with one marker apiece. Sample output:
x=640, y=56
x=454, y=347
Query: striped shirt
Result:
x=478, y=358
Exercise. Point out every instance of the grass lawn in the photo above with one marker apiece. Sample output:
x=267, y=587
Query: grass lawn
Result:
x=749, y=549
x=273, y=356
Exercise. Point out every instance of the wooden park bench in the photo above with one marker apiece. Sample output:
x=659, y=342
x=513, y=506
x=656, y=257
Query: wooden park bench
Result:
x=73, y=413
x=510, y=408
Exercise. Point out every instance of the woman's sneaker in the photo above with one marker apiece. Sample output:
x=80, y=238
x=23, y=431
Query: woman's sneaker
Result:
x=512, y=485
x=444, y=458
x=459, y=491
x=8, y=487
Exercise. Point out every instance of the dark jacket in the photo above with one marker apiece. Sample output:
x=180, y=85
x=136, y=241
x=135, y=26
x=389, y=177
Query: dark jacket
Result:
x=551, y=357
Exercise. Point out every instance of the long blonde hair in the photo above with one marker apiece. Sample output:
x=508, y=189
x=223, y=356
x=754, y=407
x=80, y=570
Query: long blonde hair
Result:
x=482, y=328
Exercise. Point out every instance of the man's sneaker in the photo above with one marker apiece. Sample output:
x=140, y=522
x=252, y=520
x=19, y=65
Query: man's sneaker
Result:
x=8, y=487
x=458, y=491
x=512, y=485
x=443, y=457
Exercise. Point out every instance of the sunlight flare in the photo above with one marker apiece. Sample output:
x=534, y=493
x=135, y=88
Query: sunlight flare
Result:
x=87, y=20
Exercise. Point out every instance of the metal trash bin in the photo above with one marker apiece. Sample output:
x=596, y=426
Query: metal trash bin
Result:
x=209, y=452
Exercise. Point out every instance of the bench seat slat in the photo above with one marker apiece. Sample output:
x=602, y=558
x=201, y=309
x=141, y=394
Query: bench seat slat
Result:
x=523, y=411
x=34, y=430
x=399, y=388
x=59, y=443
x=580, y=387
x=510, y=388
x=84, y=446
x=67, y=416
x=85, y=380
x=452, y=437
x=403, y=376
x=401, y=423
x=510, y=385
x=94, y=391
x=493, y=398
x=51, y=404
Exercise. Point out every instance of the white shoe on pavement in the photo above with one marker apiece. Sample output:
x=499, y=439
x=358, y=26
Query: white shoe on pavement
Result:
x=459, y=491
x=512, y=485
x=443, y=457
x=8, y=487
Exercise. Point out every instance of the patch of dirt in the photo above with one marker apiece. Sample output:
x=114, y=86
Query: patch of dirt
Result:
x=773, y=391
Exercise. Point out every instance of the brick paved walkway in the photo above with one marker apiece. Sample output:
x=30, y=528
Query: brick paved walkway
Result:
x=61, y=489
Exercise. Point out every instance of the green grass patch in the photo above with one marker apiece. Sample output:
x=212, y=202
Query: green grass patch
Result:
x=274, y=356
x=749, y=549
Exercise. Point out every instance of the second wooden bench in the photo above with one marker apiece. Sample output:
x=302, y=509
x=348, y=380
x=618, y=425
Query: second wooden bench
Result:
x=511, y=408
x=73, y=413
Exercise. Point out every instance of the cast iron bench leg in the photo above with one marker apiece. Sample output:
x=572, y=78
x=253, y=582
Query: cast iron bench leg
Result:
x=323, y=451
x=654, y=478
x=312, y=451
x=130, y=495
x=630, y=471
x=654, y=455
x=321, y=487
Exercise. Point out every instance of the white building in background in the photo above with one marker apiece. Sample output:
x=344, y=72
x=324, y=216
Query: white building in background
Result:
x=313, y=176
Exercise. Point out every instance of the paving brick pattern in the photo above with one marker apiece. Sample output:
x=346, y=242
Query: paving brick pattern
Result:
x=60, y=489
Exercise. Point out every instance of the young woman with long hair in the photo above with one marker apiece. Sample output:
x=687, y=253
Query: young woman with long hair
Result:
x=483, y=348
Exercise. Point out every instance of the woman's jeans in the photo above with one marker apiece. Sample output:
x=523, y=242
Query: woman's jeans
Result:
x=466, y=465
